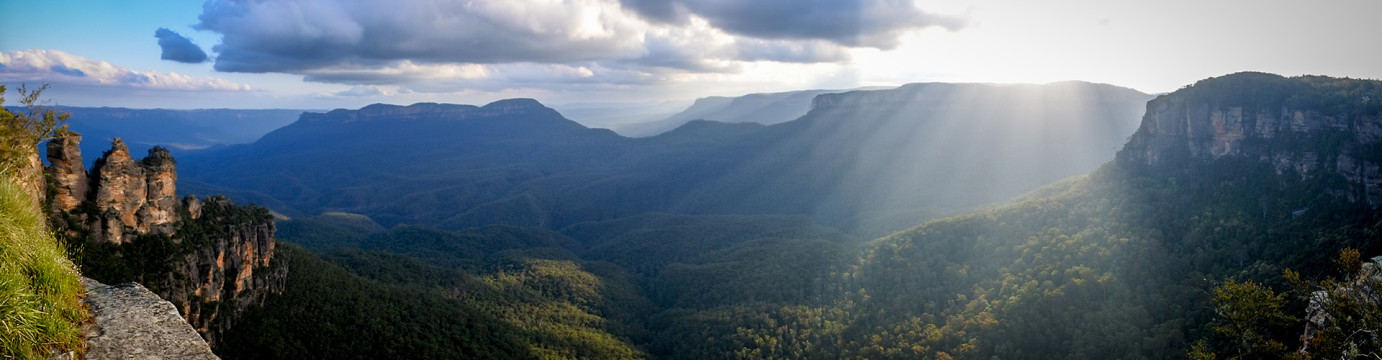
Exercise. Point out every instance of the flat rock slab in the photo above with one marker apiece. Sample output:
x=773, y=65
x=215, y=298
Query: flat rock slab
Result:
x=133, y=323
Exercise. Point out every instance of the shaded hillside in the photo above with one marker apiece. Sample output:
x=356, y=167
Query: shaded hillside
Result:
x=867, y=159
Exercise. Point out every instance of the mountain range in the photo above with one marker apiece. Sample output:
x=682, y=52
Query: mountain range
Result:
x=874, y=159
x=759, y=108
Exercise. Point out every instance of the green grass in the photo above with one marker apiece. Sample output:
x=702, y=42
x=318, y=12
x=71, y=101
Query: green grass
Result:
x=40, y=309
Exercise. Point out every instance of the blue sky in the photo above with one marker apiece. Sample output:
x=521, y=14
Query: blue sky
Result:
x=319, y=54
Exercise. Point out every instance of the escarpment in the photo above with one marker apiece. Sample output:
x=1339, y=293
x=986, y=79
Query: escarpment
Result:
x=1302, y=128
x=209, y=257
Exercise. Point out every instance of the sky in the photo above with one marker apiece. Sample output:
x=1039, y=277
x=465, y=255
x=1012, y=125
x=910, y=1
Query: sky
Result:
x=323, y=54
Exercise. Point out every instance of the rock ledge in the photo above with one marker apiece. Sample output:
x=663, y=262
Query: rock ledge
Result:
x=133, y=323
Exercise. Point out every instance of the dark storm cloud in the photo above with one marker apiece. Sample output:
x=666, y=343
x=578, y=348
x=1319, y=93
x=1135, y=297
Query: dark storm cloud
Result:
x=852, y=23
x=179, y=48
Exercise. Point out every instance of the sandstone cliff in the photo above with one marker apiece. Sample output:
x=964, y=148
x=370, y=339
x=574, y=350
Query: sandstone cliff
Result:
x=211, y=259
x=68, y=172
x=133, y=198
x=1307, y=128
x=228, y=267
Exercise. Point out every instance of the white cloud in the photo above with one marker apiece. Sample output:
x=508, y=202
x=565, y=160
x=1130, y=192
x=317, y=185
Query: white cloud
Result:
x=55, y=66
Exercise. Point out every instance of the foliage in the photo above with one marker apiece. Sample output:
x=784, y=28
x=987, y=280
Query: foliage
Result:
x=1246, y=312
x=537, y=302
x=39, y=286
x=1342, y=319
x=335, y=229
x=326, y=312
x=21, y=132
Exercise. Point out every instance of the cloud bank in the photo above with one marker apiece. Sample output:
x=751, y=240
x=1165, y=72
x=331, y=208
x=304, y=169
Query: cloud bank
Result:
x=851, y=23
x=58, y=67
x=404, y=42
x=178, y=48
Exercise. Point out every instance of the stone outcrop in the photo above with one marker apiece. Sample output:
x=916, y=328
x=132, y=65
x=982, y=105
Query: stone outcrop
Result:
x=130, y=322
x=1296, y=126
x=223, y=262
x=68, y=171
x=193, y=206
x=159, y=212
x=134, y=197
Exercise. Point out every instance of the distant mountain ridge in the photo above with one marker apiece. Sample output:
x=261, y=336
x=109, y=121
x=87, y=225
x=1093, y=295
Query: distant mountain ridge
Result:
x=759, y=108
x=517, y=162
x=178, y=130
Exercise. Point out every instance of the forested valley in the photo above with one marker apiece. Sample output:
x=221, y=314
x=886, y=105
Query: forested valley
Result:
x=1232, y=190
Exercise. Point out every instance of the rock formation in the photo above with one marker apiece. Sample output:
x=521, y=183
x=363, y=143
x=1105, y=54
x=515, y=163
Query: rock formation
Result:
x=221, y=260
x=1294, y=125
x=160, y=211
x=133, y=323
x=122, y=192
x=69, y=173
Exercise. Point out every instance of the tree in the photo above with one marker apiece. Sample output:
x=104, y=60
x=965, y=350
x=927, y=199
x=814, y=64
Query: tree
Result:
x=1345, y=314
x=20, y=133
x=1247, y=313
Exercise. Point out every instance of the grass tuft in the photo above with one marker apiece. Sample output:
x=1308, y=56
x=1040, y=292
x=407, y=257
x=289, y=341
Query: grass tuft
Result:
x=40, y=289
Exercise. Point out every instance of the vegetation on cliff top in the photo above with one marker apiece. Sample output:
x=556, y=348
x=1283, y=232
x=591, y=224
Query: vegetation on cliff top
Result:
x=39, y=286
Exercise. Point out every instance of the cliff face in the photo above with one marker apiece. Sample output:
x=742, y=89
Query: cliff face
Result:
x=69, y=173
x=1309, y=128
x=159, y=212
x=211, y=259
x=233, y=263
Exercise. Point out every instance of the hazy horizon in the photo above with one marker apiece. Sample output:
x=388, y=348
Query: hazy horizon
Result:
x=347, y=54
